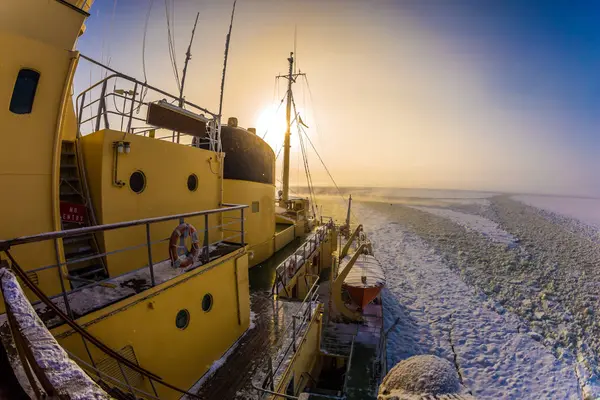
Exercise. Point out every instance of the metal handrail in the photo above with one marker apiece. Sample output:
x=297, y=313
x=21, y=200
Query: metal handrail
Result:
x=7, y=244
x=292, y=258
x=121, y=75
x=304, y=314
x=100, y=109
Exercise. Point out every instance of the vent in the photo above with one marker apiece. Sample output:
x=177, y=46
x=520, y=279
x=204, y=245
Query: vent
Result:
x=110, y=367
x=232, y=121
x=33, y=277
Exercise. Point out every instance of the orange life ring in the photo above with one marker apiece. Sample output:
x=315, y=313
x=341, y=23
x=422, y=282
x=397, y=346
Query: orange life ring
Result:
x=191, y=257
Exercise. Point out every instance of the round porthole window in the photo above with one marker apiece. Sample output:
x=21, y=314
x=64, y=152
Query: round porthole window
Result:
x=182, y=320
x=207, y=302
x=192, y=182
x=137, y=181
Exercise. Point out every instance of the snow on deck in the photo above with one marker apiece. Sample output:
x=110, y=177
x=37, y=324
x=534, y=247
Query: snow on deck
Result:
x=92, y=298
x=367, y=267
x=440, y=314
x=472, y=222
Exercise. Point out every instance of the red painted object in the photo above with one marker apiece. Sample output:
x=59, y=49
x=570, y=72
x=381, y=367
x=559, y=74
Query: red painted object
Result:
x=365, y=280
x=70, y=212
x=363, y=296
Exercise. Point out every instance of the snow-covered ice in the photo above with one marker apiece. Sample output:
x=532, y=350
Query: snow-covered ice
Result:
x=473, y=222
x=440, y=314
x=584, y=209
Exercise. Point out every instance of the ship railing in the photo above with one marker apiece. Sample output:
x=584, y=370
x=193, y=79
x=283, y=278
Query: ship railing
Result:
x=285, y=271
x=124, y=365
x=290, y=340
x=118, y=100
x=237, y=238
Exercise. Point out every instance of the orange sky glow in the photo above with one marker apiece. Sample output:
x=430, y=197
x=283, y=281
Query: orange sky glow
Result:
x=390, y=103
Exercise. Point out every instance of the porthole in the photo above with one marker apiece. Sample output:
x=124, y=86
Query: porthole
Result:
x=207, y=302
x=192, y=182
x=137, y=181
x=182, y=320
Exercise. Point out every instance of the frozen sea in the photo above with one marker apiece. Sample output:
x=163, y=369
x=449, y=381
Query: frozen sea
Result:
x=505, y=287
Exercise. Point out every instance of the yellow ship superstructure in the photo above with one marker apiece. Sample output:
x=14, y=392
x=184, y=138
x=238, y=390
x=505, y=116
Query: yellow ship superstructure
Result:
x=107, y=193
x=57, y=179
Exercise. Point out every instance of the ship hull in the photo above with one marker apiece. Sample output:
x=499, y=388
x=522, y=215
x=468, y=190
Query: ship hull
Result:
x=362, y=296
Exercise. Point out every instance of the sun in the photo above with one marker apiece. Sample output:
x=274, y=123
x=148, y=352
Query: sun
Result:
x=271, y=122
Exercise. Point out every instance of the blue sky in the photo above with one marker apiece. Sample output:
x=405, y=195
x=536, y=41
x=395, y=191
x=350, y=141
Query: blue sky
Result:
x=482, y=94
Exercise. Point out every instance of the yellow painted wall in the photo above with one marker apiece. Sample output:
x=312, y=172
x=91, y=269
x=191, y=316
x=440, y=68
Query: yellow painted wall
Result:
x=306, y=358
x=259, y=226
x=284, y=237
x=28, y=148
x=147, y=323
x=166, y=166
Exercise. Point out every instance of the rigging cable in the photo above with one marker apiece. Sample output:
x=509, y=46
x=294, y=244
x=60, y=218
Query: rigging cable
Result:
x=112, y=20
x=305, y=159
x=170, y=42
x=312, y=103
x=145, y=89
x=328, y=172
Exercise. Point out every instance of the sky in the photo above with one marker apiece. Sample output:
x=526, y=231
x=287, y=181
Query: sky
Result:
x=498, y=95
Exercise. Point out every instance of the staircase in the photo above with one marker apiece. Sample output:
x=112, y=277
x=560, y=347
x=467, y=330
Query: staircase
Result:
x=75, y=213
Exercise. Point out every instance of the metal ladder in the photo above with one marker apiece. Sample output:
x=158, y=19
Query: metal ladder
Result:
x=72, y=192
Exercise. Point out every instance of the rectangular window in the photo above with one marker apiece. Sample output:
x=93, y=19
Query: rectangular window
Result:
x=255, y=206
x=24, y=91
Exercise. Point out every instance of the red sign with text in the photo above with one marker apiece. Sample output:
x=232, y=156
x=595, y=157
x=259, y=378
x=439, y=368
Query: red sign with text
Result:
x=70, y=212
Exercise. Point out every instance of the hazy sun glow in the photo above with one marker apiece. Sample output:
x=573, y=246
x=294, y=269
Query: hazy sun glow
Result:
x=271, y=121
x=271, y=124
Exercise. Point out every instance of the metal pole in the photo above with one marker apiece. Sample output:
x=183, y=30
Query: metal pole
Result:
x=132, y=107
x=227, y=41
x=286, y=144
x=80, y=115
x=101, y=106
x=294, y=333
x=242, y=226
x=150, y=263
x=126, y=380
x=271, y=380
x=62, y=283
x=188, y=57
x=181, y=250
x=206, y=249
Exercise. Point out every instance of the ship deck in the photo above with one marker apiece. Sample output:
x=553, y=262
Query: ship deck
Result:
x=93, y=297
x=246, y=362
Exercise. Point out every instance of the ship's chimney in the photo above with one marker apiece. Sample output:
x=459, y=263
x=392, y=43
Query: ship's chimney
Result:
x=232, y=121
x=253, y=130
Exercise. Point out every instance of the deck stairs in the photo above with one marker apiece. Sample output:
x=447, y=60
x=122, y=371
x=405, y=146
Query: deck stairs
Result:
x=73, y=192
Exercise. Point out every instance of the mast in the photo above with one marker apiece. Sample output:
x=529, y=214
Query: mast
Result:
x=188, y=57
x=286, y=143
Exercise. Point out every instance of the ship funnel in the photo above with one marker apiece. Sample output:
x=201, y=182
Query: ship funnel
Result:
x=232, y=121
x=253, y=130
